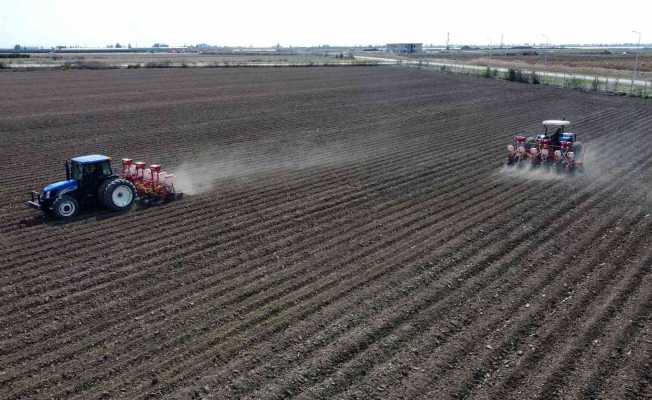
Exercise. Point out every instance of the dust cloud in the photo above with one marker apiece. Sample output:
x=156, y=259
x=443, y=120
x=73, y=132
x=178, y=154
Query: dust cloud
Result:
x=246, y=159
x=534, y=174
x=600, y=168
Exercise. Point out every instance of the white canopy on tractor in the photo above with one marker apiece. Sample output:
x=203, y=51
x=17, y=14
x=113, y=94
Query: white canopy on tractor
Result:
x=555, y=122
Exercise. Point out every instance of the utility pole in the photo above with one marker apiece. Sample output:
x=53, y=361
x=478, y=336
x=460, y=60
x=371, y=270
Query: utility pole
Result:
x=448, y=39
x=638, y=52
x=545, y=51
x=489, y=47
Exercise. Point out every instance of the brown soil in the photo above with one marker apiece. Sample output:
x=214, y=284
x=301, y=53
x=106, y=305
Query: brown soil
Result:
x=369, y=247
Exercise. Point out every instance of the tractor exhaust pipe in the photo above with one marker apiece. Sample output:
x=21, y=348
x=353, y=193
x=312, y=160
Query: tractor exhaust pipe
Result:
x=67, y=164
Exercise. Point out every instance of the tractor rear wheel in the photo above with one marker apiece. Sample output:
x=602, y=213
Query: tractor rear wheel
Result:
x=65, y=207
x=117, y=194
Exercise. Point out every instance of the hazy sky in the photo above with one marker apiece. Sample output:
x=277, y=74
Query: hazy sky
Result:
x=334, y=22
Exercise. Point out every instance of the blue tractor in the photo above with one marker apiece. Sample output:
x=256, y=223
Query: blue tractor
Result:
x=90, y=181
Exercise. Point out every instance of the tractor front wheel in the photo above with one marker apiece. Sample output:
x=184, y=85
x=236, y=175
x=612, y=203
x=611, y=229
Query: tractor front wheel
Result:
x=118, y=194
x=65, y=207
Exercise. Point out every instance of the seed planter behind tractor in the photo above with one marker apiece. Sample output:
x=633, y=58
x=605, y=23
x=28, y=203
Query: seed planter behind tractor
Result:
x=152, y=185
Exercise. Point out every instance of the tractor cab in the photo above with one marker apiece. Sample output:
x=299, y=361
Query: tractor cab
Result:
x=553, y=125
x=89, y=171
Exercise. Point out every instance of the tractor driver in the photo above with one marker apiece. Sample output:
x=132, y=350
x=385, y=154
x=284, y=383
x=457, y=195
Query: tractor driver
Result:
x=554, y=138
x=91, y=173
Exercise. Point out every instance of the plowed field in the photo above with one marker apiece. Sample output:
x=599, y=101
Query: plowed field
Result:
x=350, y=233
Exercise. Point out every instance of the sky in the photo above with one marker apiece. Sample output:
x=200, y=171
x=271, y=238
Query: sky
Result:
x=91, y=23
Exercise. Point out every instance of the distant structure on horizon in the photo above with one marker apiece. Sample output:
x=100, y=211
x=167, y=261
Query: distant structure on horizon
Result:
x=404, y=48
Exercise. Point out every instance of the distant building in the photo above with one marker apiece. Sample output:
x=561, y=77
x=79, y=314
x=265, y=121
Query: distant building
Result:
x=404, y=48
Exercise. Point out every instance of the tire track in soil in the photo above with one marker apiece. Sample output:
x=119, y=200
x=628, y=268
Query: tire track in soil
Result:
x=632, y=282
x=633, y=379
x=493, y=364
x=439, y=339
x=619, y=338
x=298, y=380
x=495, y=360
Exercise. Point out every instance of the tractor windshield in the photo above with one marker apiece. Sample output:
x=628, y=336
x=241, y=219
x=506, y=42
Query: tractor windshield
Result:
x=90, y=172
